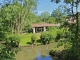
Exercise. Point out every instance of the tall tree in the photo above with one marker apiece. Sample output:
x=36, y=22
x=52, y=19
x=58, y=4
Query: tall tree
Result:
x=75, y=30
x=44, y=16
x=20, y=12
x=59, y=13
x=77, y=22
x=71, y=2
x=76, y=4
x=13, y=16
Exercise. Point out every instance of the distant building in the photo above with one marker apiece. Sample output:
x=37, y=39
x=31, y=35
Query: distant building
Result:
x=70, y=20
x=41, y=27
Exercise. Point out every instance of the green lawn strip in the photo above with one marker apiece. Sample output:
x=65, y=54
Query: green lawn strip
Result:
x=26, y=39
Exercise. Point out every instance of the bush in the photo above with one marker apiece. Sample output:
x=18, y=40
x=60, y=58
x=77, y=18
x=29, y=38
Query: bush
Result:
x=13, y=40
x=59, y=44
x=33, y=38
x=59, y=35
x=51, y=28
x=45, y=38
x=8, y=51
x=71, y=54
x=2, y=36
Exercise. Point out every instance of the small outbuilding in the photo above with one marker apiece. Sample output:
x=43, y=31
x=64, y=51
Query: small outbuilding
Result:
x=41, y=27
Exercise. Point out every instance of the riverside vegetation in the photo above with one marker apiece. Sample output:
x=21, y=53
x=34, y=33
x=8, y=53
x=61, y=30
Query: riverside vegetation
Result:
x=17, y=16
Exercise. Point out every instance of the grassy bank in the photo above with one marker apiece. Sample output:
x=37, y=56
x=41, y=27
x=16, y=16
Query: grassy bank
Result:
x=26, y=39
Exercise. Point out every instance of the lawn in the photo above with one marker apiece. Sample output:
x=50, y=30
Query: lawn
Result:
x=26, y=39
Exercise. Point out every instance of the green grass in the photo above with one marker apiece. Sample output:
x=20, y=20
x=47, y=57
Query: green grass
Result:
x=26, y=39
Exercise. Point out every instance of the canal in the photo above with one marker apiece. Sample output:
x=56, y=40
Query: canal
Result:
x=40, y=52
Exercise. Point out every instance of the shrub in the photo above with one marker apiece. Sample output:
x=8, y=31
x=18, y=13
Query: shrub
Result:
x=59, y=44
x=2, y=36
x=53, y=32
x=71, y=54
x=59, y=35
x=45, y=37
x=33, y=38
x=8, y=51
x=51, y=28
x=13, y=40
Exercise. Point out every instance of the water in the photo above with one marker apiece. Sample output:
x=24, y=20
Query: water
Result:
x=35, y=52
x=39, y=57
x=42, y=57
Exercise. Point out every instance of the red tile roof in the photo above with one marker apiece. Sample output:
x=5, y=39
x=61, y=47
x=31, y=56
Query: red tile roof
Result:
x=43, y=25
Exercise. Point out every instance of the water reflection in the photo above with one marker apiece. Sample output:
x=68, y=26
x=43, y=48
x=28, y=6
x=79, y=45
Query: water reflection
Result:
x=42, y=57
x=35, y=52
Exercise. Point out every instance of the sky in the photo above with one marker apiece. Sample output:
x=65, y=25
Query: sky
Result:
x=47, y=5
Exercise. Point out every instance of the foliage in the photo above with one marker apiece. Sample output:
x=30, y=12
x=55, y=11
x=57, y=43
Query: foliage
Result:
x=74, y=52
x=45, y=37
x=59, y=44
x=2, y=36
x=59, y=14
x=33, y=38
x=51, y=28
x=9, y=50
x=51, y=20
x=53, y=32
x=60, y=33
x=14, y=20
x=44, y=16
x=13, y=39
x=71, y=53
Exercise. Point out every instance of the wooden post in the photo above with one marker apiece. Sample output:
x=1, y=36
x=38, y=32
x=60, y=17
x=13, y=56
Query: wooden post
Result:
x=44, y=29
x=34, y=30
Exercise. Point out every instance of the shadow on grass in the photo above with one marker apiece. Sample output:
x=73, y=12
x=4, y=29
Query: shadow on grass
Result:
x=28, y=43
x=38, y=41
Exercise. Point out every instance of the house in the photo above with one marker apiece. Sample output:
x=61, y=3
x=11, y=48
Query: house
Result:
x=71, y=20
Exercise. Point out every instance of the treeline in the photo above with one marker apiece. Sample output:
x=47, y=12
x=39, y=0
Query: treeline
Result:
x=14, y=16
x=72, y=50
x=17, y=16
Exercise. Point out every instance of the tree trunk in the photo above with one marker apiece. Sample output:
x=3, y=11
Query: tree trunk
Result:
x=77, y=25
x=72, y=7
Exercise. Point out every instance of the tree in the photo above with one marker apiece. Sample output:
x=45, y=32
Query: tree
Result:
x=51, y=20
x=71, y=2
x=75, y=3
x=74, y=32
x=59, y=13
x=13, y=16
x=17, y=18
x=44, y=16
